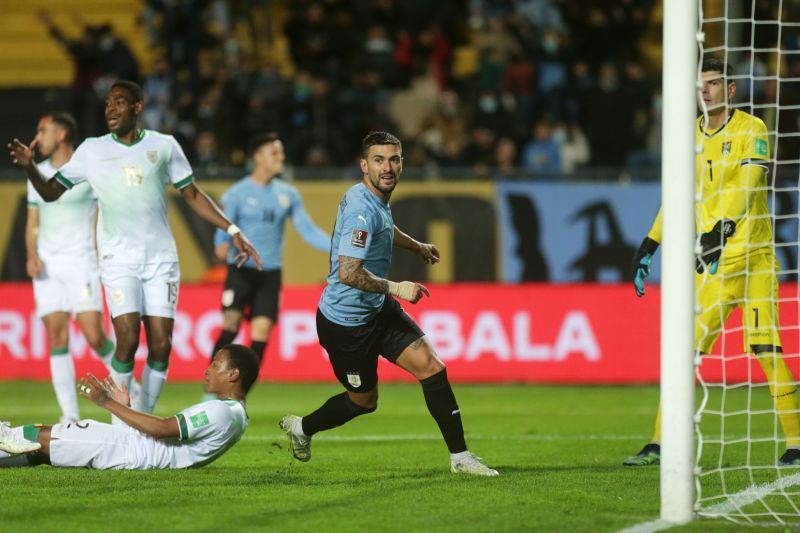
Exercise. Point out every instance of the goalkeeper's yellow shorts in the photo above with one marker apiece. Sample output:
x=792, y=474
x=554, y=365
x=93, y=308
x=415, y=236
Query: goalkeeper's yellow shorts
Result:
x=750, y=283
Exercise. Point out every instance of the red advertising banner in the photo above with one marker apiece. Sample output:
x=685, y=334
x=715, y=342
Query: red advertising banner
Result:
x=531, y=333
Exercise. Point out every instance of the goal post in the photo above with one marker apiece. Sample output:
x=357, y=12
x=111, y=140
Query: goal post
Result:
x=680, y=75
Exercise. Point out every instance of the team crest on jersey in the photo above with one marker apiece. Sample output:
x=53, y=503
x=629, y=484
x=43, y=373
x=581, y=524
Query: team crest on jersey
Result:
x=283, y=200
x=118, y=296
x=726, y=149
x=152, y=156
x=359, y=238
x=354, y=379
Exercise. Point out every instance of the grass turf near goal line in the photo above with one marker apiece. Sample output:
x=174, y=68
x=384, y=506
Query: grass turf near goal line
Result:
x=559, y=451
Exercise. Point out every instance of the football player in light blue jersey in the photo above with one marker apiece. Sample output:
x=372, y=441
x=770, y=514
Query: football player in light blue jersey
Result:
x=128, y=170
x=260, y=204
x=358, y=319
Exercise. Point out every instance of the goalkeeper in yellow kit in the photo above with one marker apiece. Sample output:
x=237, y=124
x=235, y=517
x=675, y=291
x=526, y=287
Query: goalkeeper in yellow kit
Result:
x=737, y=265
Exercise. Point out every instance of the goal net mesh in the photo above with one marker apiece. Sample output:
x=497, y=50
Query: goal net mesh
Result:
x=747, y=407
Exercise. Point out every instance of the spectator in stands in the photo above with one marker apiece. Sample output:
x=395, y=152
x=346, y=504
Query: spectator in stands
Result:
x=505, y=158
x=84, y=105
x=607, y=119
x=207, y=159
x=158, y=88
x=446, y=123
x=542, y=153
x=573, y=146
x=115, y=59
x=479, y=153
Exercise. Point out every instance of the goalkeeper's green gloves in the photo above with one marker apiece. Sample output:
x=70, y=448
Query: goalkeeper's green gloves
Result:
x=641, y=263
x=711, y=244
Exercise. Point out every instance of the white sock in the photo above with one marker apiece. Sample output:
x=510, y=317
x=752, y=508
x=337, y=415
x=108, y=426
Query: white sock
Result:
x=119, y=379
x=297, y=427
x=152, y=384
x=458, y=456
x=62, y=374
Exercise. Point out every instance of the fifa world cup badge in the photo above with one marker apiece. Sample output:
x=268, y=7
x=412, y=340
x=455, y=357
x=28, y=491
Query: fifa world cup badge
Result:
x=726, y=149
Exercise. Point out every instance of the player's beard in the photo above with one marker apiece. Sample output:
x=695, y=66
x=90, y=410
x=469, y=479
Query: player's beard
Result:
x=385, y=189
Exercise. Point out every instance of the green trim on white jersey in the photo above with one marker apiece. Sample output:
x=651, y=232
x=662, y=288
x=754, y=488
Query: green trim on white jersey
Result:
x=135, y=141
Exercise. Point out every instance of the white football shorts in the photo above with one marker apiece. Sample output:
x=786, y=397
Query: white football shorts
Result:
x=67, y=288
x=92, y=444
x=150, y=290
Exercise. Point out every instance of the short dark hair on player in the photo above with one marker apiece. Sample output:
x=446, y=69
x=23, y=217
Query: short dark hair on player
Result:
x=714, y=64
x=375, y=138
x=66, y=121
x=260, y=140
x=132, y=88
x=246, y=361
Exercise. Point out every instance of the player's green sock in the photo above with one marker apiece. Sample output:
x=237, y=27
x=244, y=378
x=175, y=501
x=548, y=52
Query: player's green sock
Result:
x=122, y=372
x=106, y=352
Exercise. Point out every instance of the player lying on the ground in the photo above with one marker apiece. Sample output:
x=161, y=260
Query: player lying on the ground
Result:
x=194, y=437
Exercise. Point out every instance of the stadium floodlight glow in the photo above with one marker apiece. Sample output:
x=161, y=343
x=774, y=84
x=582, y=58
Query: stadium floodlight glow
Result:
x=677, y=288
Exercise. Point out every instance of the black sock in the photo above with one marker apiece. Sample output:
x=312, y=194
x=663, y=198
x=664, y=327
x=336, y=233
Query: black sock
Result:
x=442, y=405
x=258, y=347
x=336, y=411
x=225, y=337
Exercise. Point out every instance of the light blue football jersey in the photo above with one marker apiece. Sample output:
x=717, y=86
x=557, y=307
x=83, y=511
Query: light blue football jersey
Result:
x=260, y=211
x=365, y=230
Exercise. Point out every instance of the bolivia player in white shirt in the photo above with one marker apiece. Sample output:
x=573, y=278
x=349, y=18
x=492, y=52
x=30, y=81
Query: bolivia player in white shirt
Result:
x=194, y=437
x=128, y=170
x=62, y=261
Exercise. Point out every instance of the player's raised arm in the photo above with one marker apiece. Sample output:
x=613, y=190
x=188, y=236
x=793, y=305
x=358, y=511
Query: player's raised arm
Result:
x=204, y=206
x=22, y=156
x=105, y=395
x=428, y=252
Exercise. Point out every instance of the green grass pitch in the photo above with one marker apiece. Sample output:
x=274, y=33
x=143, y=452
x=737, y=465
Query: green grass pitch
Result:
x=559, y=451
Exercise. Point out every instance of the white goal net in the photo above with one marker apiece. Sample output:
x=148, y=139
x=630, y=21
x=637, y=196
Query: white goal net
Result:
x=747, y=421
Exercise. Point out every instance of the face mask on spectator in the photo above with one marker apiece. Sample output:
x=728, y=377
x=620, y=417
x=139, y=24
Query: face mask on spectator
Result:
x=550, y=44
x=559, y=135
x=488, y=104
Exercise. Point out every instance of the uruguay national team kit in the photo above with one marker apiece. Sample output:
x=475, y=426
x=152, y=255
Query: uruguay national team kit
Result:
x=356, y=326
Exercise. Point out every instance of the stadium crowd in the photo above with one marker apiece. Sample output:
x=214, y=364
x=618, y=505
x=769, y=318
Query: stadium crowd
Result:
x=503, y=87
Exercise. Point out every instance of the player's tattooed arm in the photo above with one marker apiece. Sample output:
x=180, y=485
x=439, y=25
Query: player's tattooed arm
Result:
x=353, y=273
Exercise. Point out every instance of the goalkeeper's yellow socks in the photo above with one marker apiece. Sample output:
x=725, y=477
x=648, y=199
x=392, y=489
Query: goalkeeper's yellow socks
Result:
x=657, y=432
x=783, y=389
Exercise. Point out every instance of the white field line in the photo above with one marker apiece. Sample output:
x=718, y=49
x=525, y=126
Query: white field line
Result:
x=749, y=495
x=426, y=437
x=734, y=502
x=649, y=527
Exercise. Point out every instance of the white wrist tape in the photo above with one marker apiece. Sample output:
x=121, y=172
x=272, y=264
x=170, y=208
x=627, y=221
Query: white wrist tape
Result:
x=404, y=289
x=233, y=229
